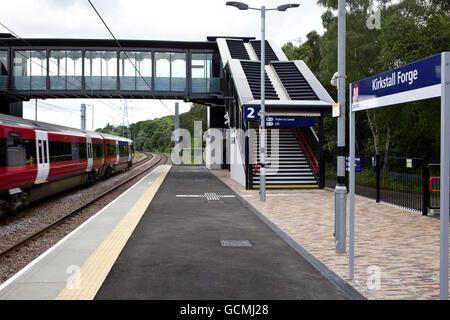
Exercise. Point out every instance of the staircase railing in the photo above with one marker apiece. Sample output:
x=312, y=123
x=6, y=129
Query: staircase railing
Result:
x=310, y=146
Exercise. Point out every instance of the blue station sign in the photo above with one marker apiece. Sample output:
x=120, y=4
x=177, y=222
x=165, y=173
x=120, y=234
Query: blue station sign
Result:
x=357, y=164
x=251, y=112
x=289, y=121
x=415, y=81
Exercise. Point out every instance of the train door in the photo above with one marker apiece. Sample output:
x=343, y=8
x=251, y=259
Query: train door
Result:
x=117, y=152
x=90, y=156
x=42, y=156
x=129, y=151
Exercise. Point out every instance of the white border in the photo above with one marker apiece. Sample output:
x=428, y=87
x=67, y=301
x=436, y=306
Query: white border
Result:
x=396, y=98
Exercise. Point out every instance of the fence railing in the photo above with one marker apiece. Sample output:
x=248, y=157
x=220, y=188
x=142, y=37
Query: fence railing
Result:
x=400, y=181
x=434, y=173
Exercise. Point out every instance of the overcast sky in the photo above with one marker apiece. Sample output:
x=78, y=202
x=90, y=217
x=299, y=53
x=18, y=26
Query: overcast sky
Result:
x=191, y=20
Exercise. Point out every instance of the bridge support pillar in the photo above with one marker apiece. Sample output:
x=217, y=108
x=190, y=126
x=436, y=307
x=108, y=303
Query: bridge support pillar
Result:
x=12, y=108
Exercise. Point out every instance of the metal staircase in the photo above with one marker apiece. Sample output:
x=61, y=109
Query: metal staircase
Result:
x=292, y=167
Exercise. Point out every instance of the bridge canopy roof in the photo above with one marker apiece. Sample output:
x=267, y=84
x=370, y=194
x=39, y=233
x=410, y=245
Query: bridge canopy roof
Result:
x=188, y=70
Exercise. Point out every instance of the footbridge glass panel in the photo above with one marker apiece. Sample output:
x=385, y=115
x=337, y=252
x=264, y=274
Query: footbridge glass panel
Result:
x=30, y=70
x=100, y=69
x=170, y=71
x=135, y=71
x=4, y=70
x=205, y=73
x=65, y=70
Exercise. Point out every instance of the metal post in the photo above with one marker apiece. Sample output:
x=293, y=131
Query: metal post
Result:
x=341, y=190
x=445, y=173
x=177, y=123
x=262, y=149
x=425, y=186
x=35, y=109
x=177, y=133
x=92, y=117
x=83, y=116
x=351, y=245
x=321, y=157
x=378, y=176
x=247, y=163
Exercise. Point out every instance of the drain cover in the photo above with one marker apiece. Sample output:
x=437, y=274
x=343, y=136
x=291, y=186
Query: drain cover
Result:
x=235, y=243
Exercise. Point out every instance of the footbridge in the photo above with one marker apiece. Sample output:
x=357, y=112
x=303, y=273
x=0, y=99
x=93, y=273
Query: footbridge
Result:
x=221, y=72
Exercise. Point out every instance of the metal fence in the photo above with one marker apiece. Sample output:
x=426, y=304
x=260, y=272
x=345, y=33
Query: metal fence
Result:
x=434, y=197
x=396, y=180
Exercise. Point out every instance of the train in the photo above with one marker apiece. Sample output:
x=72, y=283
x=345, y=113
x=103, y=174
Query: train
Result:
x=39, y=159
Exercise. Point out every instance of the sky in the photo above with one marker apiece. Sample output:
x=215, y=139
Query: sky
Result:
x=191, y=20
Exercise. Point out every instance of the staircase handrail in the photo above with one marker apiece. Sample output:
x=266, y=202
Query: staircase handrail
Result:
x=307, y=150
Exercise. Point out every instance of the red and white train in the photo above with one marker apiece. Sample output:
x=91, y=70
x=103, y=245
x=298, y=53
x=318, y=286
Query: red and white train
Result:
x=40, y=159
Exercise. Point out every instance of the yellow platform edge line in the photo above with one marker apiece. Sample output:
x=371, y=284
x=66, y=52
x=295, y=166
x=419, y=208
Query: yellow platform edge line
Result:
x=97, y=266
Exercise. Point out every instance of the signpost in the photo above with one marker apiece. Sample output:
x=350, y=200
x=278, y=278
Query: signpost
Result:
x=357, y=164
x=427, y=78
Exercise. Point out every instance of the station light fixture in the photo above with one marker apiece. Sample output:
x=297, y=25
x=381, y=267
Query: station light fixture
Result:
x=239, y=5
x=287, y=6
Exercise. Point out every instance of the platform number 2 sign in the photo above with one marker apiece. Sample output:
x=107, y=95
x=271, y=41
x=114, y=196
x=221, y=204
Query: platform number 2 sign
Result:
x=251, y=112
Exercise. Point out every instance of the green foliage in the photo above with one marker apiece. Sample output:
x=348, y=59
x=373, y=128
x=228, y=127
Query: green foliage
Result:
x=410, y=30
x=155, y=135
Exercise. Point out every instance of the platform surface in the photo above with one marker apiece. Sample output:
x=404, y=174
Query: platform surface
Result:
x=50, y=273
x=175, y=252
x=403, y=245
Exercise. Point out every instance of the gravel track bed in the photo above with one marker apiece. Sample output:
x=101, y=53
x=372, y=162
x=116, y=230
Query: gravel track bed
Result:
x=15, y=228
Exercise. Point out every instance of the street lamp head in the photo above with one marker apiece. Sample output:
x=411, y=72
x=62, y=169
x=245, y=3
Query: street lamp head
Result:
x=239, y=5
x=284, y=7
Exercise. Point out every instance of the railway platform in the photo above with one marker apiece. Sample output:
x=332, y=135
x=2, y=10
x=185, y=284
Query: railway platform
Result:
x=179, y=233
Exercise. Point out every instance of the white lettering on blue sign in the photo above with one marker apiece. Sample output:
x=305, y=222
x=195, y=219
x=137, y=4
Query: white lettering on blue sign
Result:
x=409, y=76
x=393, y=79
x=251, y=112
x=415, y=81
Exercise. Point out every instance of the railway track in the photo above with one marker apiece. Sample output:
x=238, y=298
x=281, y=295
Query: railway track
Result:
x=35, y=235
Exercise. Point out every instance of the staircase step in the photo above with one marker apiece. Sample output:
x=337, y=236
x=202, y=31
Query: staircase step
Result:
x=288, y=178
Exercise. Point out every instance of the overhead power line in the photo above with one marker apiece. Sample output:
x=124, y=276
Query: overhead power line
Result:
x=121, y=48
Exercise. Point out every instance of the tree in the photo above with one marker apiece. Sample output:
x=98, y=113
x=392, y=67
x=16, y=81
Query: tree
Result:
x=410, y=30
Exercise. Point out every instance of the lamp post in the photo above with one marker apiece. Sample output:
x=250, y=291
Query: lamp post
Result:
x=262, y=130
x=341, y=189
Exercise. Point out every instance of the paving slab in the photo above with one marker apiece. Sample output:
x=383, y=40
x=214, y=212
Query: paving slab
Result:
x=404, y=245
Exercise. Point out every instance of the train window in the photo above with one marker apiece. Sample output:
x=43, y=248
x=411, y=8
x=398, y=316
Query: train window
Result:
x=30, y=150
x=60, y=151
x=123, y=150
x=17, y=152
x=98, y=150
x=45, y=151
x=83, y=150
x=75, y=151
x=3, y=152
x=40, y=150
x=111, y=149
